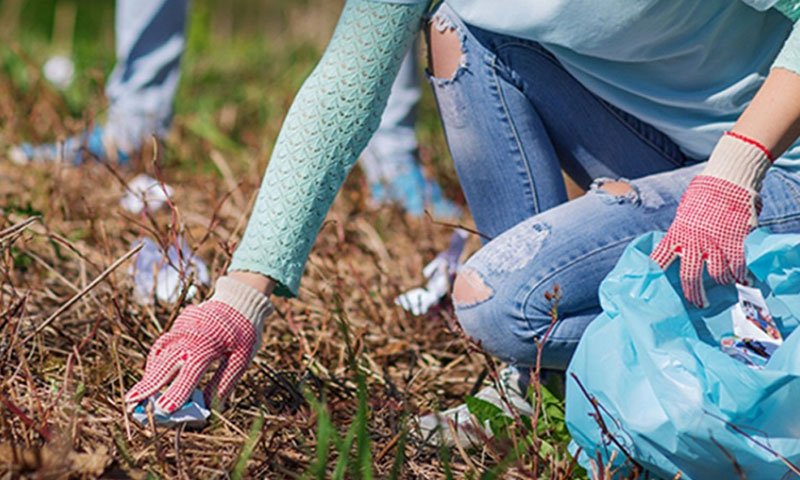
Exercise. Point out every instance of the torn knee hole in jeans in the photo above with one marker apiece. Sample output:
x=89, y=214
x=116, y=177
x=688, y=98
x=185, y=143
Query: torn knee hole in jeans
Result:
x=470, y=289
x=447, y=54
x=623, y=191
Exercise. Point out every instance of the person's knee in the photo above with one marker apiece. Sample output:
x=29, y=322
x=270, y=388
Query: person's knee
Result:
x=471, y=298
x=491, y=326
x=445, y=51
x=469, y=289
x=485, y=318
x=624, y=192
x=617, y=188
x=490, y=316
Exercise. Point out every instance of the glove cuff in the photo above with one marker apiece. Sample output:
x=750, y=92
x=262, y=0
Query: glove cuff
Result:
x=739, y=160
x=248, y=301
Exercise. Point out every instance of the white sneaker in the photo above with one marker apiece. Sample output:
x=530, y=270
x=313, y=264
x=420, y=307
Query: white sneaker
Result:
x=435, y=427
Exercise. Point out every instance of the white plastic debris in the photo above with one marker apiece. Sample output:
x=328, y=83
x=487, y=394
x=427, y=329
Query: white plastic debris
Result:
x=59, y=70
x=165, y=273
x=419, y=300
x=439, y=273
x=193, y=413
x=145, y=192
x=755, y=335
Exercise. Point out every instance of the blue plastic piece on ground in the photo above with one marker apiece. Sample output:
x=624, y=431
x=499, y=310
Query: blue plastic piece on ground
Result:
x=73, y=150
x=667, y=392
x=415, y=193
x=193, y=413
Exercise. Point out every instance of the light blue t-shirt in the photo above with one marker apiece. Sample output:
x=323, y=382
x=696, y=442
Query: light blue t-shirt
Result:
x=688, y=67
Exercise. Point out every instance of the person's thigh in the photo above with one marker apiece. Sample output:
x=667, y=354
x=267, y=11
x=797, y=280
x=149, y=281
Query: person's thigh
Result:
x=503, y=148
x=501, y=294
x=593, y=137
x=506, y=166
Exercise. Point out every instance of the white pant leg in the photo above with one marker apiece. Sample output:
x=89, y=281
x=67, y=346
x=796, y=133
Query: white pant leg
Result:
x=150, y=38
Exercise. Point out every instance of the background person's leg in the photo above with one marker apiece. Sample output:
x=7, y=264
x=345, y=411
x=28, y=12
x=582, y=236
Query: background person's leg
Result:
x=499, y=104
x=150, y=41
x=391, y=151
x=390, y=162
x=142, y=87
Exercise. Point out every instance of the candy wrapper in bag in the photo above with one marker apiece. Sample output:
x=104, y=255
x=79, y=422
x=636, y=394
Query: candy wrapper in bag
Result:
x=752, y=352
x=755, y=335
x=193, y=413
x=751, y=317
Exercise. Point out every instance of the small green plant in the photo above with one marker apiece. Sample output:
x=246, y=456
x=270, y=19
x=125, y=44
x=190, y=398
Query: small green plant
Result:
x=348, y=463
x=550, y=437
x=537, y=445
x=240, y=468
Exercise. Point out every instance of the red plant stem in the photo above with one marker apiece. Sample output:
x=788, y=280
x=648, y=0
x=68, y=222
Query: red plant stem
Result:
x=739, y=430
x=44, y=432
x=603, y=427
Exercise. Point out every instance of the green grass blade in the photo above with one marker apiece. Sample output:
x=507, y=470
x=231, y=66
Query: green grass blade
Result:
x=444, y=456
x=326, y=435
x=363, y=458
x=247, y=449
x=400, y=456
x=344, y=448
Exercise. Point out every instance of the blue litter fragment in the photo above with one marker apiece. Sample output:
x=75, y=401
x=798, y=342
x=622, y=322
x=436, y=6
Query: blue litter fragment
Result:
x=193, y=413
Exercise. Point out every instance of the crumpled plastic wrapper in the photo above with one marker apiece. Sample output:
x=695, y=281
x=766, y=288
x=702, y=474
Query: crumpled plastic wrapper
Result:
x=193, y=413
x=755, y=335
x=145, y=193
x=439, y=273
x=159, y=272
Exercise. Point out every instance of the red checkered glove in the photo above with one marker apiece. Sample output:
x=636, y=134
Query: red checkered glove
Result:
x=717, y=211
x=226, y=328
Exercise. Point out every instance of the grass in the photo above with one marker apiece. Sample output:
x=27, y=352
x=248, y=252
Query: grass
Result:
x=342, y=369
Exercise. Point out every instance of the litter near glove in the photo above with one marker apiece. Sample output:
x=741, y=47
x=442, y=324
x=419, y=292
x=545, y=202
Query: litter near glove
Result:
x=227, y=328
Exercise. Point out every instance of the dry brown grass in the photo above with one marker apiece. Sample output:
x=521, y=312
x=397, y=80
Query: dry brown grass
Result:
x=61, y=383
x=66, y=382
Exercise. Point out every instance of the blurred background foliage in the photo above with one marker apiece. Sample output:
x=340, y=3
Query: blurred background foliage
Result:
x=244, y=62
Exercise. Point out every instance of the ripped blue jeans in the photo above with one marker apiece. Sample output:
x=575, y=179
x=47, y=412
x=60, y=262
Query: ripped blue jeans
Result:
x=513, y=118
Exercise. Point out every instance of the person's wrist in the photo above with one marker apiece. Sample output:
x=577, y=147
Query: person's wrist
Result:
x=740, y=160
x=254, y=305
x=260, y=282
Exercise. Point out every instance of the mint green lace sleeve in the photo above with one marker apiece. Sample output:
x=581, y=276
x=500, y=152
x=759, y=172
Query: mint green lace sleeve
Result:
x=329, y=123
x=789, y=56
x=790, y=8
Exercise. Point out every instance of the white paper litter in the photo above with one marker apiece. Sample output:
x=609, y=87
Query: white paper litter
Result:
x=419, y=300
x=439, y=273
x=59, y=70
x=165, y=273
x=193, y=413
x=145, y=192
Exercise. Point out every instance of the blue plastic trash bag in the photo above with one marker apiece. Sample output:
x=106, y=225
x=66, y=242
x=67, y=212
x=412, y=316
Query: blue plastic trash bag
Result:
x=667, y=392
